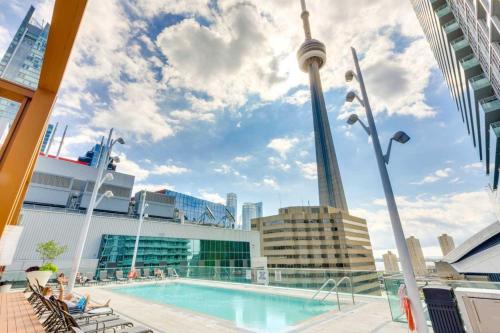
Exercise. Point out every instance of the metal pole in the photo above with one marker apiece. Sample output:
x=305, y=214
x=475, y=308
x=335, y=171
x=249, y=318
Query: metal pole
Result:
x=141, y=219
x=86, y=224
x=404, y=255
x=62, y=141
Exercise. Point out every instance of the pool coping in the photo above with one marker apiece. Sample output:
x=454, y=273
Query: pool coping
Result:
x=228, y=325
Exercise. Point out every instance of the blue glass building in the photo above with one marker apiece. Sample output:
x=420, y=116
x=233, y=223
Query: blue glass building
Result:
x=22, y=62
x=199, y=210
x=46, y=137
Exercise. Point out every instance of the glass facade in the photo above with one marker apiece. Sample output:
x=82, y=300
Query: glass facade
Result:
x=250, y=211
x=199, y=210
x=22, y=64
x=46, y=137
x=116, y=251
x=232, y=204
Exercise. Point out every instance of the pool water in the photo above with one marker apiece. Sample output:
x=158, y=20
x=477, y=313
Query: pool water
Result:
x=250, y=310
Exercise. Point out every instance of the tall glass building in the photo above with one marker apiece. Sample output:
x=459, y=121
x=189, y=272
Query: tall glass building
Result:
x=22, y=63
x=46, y=137
x=199, y=210
x=116, y=251
x=232, y=204
x=464, y=36
x=250, y=211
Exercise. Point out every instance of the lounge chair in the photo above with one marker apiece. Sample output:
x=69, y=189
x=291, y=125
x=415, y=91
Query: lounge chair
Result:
x=103, y=276
x=119, y=276
x=159, y=274
x=94, y=326
x=89, y=278
x=147, y=274
x=139, y=276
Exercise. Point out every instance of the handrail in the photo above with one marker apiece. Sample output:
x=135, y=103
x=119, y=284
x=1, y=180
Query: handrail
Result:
x=335, y=285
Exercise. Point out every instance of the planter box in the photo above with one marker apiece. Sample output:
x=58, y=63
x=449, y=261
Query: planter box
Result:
x=42, y=277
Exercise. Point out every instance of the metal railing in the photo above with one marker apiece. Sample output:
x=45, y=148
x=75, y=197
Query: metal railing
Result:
x=335, y=285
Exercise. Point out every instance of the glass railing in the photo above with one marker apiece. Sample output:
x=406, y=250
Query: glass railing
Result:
x=490, y=104
x=459, y=43
x=451, y=26
x=469, y=61
x=393, y=283
x=443, y=10
x=479, y=81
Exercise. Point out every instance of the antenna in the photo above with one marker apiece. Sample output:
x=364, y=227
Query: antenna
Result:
x=62, y=141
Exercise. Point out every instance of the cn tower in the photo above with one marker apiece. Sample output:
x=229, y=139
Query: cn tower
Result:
x=311, y=57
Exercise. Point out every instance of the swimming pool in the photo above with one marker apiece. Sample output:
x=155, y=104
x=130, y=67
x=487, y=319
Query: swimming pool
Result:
x=250, y=310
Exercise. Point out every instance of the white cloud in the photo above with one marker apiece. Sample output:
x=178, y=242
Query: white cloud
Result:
x=309, y=170
x=130, y=167
x=168, y=170
x=270, y=182
x=298, y=98
x=186, y=115
x=5, y=39
x=282, y=145
x=224, y=169
x=428, y=216
x=212, y=196
x=435, y=176
x=473, y=166
x=151, y=187
x=278, y=163
x=242, y=159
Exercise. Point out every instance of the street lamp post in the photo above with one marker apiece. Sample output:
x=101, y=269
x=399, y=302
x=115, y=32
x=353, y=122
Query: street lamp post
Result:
x=139, y=227
x=382, y=160
x=104, y=160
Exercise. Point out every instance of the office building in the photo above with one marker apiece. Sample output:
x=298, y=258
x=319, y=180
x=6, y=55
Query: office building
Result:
x=416, y=256
x=22, y=63
x=232, y=204
x=196, y=210
x=111, y=238
x=318, y=238
x=46, y=138
x=446, y=243
x=465, y=38
x=311, y=57
x=391, y=264
x=65, y=183
x=250, y=211
x=91, y=157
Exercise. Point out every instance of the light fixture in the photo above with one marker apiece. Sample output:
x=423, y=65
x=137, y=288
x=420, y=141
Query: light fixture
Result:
x=401, y=137
x=351, y=95
x=353, y=118
x=108, y=177
x=349, y=75
x=108, y=194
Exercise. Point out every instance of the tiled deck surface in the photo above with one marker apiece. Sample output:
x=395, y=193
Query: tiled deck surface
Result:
x=17, y=316
x=370, y=314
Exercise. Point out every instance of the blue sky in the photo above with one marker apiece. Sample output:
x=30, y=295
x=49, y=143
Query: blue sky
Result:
x=210, y=100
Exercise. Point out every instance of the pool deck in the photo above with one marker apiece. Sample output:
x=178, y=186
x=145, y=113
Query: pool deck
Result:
x=369, y=314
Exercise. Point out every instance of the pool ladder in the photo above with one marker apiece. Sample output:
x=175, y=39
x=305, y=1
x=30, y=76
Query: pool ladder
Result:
x=334, y=288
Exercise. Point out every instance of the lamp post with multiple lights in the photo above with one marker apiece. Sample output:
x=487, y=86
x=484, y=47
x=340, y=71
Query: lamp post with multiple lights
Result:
x=144, y=205
x=104, y=160
x=382, y=160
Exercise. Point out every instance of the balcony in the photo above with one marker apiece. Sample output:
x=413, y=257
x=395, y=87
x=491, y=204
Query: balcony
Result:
x=437, y=3
x=481, y=86
x=444, y=14
x=471, y=66
x=452, y=30
x=461, y=47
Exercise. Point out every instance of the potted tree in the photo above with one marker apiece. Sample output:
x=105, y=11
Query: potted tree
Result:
x=48, y=252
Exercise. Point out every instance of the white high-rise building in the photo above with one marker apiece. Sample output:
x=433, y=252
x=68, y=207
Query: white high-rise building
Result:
x=390, y=262
x=464, y=36
x=446, y=243
x=416, y=255
x=250, y=211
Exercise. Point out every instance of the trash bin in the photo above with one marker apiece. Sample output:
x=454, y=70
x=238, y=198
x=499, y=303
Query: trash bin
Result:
x=443, y=310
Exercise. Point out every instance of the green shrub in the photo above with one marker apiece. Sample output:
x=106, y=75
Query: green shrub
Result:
x=49, y=267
